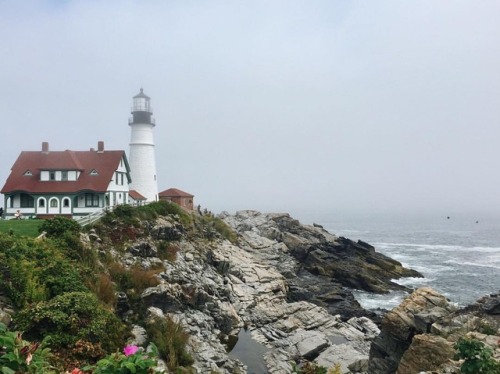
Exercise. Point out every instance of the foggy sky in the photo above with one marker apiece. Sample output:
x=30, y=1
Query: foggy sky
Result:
x=269, y=105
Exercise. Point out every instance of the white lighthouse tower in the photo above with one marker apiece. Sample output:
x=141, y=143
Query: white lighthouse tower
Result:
x=142, y=149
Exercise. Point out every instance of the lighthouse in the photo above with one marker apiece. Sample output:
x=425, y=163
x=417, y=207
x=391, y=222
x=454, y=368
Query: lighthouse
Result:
x=142, y=148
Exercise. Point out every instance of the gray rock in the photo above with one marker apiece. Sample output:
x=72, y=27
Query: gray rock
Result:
x=309, y=343
x=143, y=249
x=140, y=337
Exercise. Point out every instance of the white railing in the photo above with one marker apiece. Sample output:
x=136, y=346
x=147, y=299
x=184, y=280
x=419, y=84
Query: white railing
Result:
x=91, y=218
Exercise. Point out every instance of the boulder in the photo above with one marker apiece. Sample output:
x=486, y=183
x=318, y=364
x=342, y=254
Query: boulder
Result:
x=415, y=315
x=309, y=343
x=143, y=249
x=426, y=352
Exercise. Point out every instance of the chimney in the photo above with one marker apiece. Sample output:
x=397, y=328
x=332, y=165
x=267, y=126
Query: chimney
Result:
x=45, y=147
x=100, y=146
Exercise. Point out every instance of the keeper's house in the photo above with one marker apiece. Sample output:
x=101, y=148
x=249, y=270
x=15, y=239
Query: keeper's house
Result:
x=47, y=183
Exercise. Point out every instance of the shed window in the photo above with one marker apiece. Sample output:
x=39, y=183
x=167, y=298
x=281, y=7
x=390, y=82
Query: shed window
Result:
x=53, y=203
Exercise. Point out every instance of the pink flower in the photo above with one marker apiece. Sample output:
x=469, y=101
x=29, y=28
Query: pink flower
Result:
x=76, y=371
x=130, y=350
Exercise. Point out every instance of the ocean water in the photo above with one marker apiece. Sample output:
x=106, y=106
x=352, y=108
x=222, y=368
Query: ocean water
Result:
x=459, y=256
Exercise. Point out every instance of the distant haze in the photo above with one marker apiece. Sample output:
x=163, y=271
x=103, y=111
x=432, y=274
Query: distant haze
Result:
x=269, y=105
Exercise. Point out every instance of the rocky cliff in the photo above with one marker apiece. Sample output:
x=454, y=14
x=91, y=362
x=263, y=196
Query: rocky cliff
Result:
x=419, y=335
x=284, y=285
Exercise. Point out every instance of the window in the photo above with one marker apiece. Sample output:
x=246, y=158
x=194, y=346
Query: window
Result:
x=64, y=175
x=94, y=172
x=52, y=176
x=28, y=173
x=121, y=174
x=27, y=201
x=41, y=203
x=66, y=202
x=91, y=199
x=54, y=203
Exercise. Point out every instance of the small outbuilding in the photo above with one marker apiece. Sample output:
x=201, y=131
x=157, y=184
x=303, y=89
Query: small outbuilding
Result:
x=135, y=198
x=184, y=199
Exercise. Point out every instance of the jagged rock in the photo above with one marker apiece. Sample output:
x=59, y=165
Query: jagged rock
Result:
x=267, y=283
x=426, y=352
x=491, y=304
x=424, y=320
x=143, y=249
x=309, y=343
x=359, y=366
x=167, y=230
x=399, y=326
x=352, y=264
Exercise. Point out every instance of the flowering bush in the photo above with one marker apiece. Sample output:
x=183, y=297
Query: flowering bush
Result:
x=132, y=360
x=20, y=356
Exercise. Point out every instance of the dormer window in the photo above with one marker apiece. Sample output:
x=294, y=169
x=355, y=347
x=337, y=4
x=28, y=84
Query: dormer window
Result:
x=94, y=172
x=64, y=175
x=28, y=173
x=52, y=175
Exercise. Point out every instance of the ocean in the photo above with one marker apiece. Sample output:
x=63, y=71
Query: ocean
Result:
x=459, y=255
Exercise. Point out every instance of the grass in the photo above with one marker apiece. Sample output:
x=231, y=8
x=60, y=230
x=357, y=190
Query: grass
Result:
x=24, y=227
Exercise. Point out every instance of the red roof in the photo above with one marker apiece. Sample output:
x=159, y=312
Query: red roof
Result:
x=174, y=192
x=136, y=195
x=105, y=163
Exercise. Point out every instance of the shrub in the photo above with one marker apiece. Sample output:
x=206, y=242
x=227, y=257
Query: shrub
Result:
x=487, y=328
x=171, y=341
x=70, y=317
x=135, y=278
x=126, y=213
x=105, y=290
x=226, y=232
x=167, y=251
x=20, y=356
x=477, y=357
x=164, y=208
x=57, y=226
x=133, y=360
x=22, y=283
x=211, y=226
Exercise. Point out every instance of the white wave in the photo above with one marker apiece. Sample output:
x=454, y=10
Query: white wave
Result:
x=413, y=281
x=427, y=269
x=486, y=249
x=468, y=263
x=375, y=301
x=440, y=247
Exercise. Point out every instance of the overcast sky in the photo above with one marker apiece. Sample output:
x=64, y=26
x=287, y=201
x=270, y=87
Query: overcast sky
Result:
x=269, y=105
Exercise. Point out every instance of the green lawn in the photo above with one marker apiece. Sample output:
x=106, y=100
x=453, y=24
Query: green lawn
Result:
x=24, y=227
